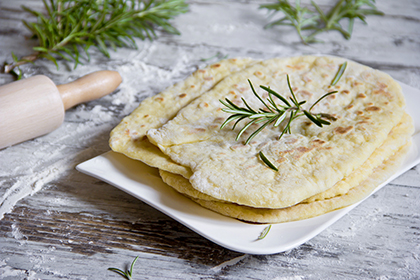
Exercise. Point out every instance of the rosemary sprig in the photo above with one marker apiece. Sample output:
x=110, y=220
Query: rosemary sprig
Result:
x=273, y=113
x=264, y=233
x=317, y=21
x=126, y=274
x=70, y=26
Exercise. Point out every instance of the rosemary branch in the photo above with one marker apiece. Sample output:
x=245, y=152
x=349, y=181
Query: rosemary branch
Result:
x=70, y=26
x=316, y=21
x=273, y=113
x=277, y=113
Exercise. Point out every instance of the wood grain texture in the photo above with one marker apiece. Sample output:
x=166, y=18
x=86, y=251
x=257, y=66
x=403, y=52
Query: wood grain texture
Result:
x=57, y=223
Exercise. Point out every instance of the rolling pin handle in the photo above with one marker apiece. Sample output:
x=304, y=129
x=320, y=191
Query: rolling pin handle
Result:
x=92, y=86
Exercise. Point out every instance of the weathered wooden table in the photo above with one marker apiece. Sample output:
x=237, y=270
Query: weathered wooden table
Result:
x=57, y=223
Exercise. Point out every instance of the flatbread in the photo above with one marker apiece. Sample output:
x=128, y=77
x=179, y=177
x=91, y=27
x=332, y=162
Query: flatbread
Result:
x=311, y=160
x=129, y=136
x=299, y=211
x=308, y=210
x=355, y=154
x=399, y=136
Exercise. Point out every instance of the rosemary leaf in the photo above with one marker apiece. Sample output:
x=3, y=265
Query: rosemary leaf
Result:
x=264, y=233
x=267, y=161
x=339, y=74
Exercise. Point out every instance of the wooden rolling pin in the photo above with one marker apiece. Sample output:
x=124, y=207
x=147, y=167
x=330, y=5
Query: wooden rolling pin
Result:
x=35, y=106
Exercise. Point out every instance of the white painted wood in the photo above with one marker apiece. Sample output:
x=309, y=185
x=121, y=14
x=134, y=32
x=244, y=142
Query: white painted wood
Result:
x=59, y=224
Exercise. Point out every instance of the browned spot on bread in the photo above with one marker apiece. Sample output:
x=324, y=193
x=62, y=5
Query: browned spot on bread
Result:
x=295, y=89
x=145, y=116
x=202, y=71
x=238, y=146
x=219, y=119
x=280, y=160
x=216, y=65
x=295, y=67
x=360, y=113
x=200, y=129
x=258, y=73
x=343, y=130
x=208, y=78
x=306, y=79
x=318, y=142
x=324, y=75
x=349, y=106
x=206, y=104
x=332, y=96
x=142, y=125
x=182, y=95
x=356, y=83
x=291, y=141
x=160, y=99
x=363, y=122
x=303, y=149
x=373, y=109
x=305, y=94
x=192, y=86
x=361, y=95
x=382, y=85
x=127, y=132
x=384, y=92
x=369, y=104
x=285, y=152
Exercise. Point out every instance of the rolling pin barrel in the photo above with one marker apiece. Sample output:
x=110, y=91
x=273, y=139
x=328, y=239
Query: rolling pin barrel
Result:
x=35, y=106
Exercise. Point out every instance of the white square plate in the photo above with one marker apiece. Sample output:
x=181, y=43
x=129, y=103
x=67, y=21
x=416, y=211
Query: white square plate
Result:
x=144, y=183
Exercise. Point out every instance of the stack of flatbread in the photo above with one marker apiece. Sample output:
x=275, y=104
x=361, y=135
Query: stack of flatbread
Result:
x=319, y=169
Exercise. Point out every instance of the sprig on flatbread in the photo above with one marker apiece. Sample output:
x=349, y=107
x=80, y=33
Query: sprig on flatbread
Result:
x=273, y=113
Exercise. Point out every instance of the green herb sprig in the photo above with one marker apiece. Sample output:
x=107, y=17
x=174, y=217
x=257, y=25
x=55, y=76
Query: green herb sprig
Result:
x=73, y=26
x=126, y=274
x=273, y=113
x=316, y=21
